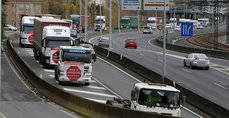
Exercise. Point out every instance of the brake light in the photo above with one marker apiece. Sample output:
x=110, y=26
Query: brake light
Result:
x=29, y=32
x=196, y=59
x=100, y=40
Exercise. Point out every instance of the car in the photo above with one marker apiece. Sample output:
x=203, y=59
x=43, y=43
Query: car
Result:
x=130, y=43
x=168, y=26
x=103, y=41
x=197, y=60
x=10, y=27
x=147, y=30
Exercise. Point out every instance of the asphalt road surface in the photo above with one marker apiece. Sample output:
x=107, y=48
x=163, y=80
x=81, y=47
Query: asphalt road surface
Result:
x=108, y=81
x=212, y=84
x=18, y=101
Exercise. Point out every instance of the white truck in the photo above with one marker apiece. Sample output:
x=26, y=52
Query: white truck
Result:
x=100, y=23
x=152, y=97
x=26, y=31
x=50, y=34
x=151, y=22
x=74, y=65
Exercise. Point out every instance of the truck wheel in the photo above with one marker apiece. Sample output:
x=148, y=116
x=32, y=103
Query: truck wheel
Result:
x=185, y=64
x=20, y=44
x=87, y=84
x=35, y=54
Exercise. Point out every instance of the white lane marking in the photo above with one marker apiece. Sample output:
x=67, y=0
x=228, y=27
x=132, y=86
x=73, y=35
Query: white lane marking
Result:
x=88, y=92
x=120, y=69
x=140, y=81
x=107, y=88
x=221, y=86
x=192, y=112
x=51, y=76
x=96, y=87
x=93, y=81
x=99, y=101
x=67, y=113
x=47, y=70
x=180, y=57
x=2, y=116
x=186, y=70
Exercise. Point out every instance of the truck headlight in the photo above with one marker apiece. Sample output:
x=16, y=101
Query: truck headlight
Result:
x=47, y=53
x=61, y=68
x=88, y=74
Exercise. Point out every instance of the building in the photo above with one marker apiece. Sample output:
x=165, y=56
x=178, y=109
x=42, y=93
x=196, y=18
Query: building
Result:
x=14, y=8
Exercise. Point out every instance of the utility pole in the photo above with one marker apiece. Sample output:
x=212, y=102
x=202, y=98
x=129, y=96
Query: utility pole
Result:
x=119, y=16
x=100, y=13
x=86, y=23
x=80, y=17
x=216, y=14
x=110, y=30
x=164, y=45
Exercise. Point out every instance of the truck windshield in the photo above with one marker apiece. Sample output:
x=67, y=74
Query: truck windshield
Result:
x=27, y=28
x=151, y=21
x=125, y=21
x=159, y=98
x=54, y=42
x=77, y=56
x=97, y=21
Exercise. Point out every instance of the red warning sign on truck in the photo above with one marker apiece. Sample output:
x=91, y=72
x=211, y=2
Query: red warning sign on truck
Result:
x=74, y=70
x=54, y=55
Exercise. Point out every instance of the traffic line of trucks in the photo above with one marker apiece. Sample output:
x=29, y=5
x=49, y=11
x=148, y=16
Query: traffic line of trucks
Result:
x=54, y=47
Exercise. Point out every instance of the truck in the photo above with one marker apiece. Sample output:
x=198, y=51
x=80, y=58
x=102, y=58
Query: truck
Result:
x=26, y=30
x=27, y=26
x=129, y=22
x=152, y=97
x=76, y=22
x=151, y=22
x=74, y=65
x=50, y=34
x=100, y=23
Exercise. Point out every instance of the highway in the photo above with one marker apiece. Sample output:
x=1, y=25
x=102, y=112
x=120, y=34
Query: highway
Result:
x=108, y=81
x=18, y=101
x=212, y=84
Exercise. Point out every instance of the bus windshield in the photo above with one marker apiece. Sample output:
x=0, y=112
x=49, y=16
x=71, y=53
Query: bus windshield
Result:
x=126, y=21
x=159, y=98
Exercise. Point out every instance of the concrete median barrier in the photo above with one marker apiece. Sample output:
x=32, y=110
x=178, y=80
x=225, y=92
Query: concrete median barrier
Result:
x=192, y=98
x=77, y=104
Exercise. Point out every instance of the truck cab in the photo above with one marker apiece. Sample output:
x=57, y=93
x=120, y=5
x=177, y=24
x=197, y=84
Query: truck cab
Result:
x=26, y=31
x=151, y=22
x=52, y=38
x=74, y=65
x=100, y=23
x=157, y=98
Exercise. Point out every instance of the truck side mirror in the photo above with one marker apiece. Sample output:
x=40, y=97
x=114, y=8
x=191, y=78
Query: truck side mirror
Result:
x=133, y=95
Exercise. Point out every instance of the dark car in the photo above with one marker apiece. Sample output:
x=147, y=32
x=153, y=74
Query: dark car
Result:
x=130, y=43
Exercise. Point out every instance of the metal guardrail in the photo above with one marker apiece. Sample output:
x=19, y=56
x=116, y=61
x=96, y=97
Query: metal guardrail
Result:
x=74, y=103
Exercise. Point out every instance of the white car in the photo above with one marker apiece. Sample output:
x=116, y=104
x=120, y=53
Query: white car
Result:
x=147, y=30
x=197, y=60
x=10, y=27
x=104, y=41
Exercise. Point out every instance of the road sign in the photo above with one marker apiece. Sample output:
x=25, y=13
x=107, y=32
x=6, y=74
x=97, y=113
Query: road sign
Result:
x=131, y=4
x=155, y=5
x=186, y=29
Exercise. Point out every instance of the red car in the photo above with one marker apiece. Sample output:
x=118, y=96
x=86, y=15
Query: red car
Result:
x=130, y=43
